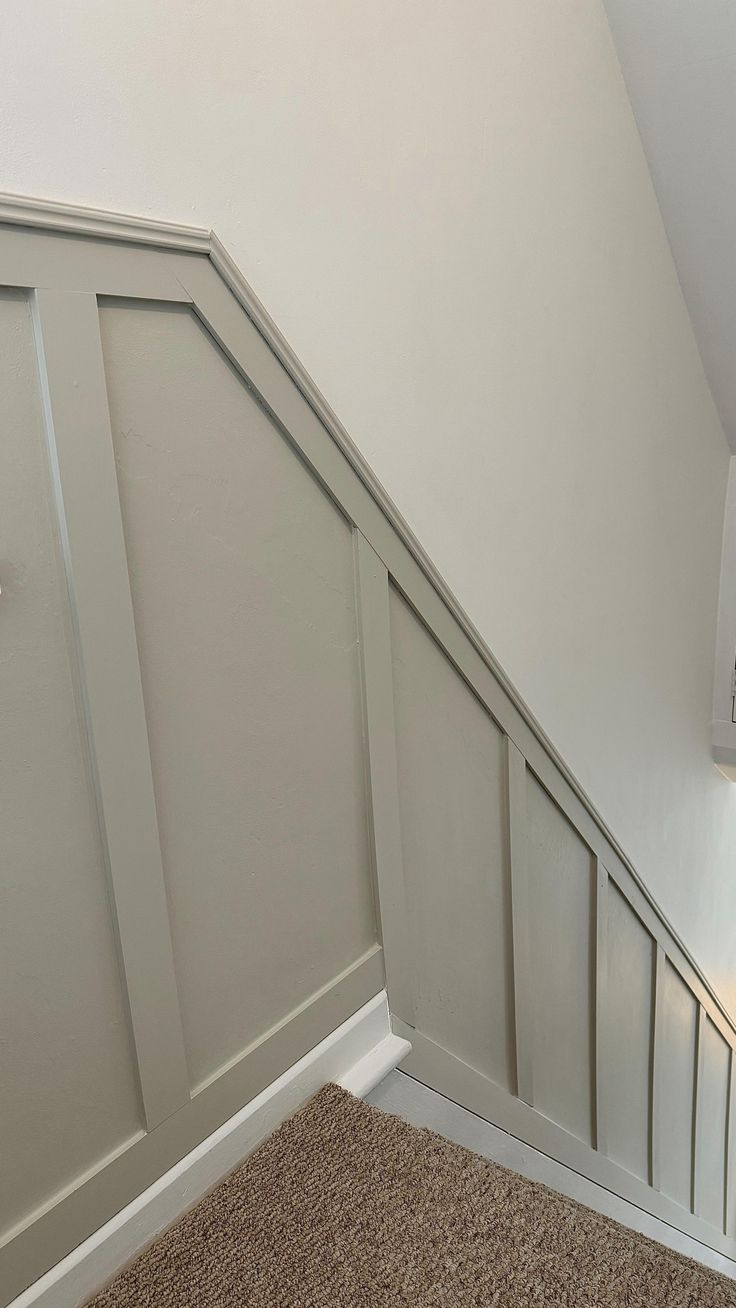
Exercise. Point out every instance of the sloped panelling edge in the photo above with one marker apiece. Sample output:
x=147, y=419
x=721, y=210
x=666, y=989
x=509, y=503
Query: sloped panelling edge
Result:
x=127, y=256
x=77, y=219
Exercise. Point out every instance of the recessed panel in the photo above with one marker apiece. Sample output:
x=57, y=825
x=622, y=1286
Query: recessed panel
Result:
x=627, y=1036
x=712, y=1121
x=452, y=802
x=242, y=579
x=560, y=870
x=68, y=1088
x=676, y=1083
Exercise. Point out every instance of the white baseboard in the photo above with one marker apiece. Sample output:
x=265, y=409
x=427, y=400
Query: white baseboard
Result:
x=357, y=1055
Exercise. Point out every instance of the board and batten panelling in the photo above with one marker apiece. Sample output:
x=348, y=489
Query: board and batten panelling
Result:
x=560, y=875
x=242, y=578
x=243, y=713
x=676, y=1069
x=181, y=681
x=451, y=772
x=712, y=1116
x=627, y=1037
x=68, y=1085
x=620, y=1072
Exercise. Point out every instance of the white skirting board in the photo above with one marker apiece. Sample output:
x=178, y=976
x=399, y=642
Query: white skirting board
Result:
x=357, y=1056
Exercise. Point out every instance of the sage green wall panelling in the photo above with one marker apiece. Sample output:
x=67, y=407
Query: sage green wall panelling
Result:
x=451, y=763
x=676, y=1087
x=242, y=579
x=379, y=724
x=710, y=1145
x=730, y=1222
x=68, y=1086
x=628, y=1036
x=244, y=642
x=562, y=928
x=324, y=729
x=85, y=482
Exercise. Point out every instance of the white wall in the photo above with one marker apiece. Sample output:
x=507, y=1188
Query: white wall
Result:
x=447, y=210
x=679, y=61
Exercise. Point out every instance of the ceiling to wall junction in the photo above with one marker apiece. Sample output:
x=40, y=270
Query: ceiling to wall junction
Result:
x=679, y=62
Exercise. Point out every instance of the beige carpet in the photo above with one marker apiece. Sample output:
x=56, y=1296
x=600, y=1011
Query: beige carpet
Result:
x=345, y=1207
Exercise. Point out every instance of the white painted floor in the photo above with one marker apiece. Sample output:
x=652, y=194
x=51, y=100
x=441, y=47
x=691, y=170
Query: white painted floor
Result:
x=416, y=1103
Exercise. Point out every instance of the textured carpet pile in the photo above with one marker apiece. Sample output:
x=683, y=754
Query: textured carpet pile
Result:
x=346, y=1207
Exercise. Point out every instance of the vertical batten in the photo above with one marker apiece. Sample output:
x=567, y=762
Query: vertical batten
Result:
x=523, y=1010
x=697, y=1107
x=728, y=1179
x=601, y=1004
x=655, y=1143
x=86, y=492
x=382, y=773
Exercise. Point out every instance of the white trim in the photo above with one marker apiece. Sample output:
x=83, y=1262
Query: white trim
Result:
x=366, y=1074
x=357, y=1055
x=424, y=1107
